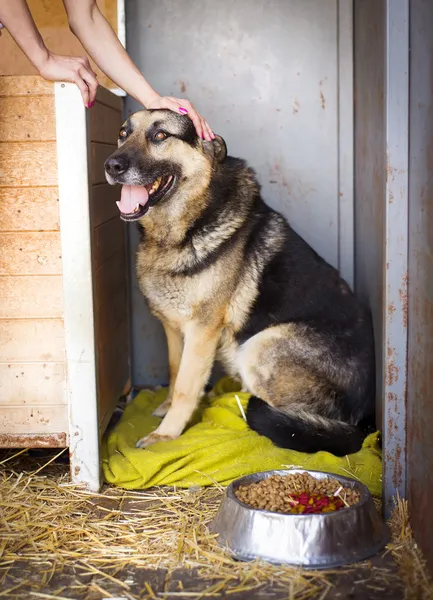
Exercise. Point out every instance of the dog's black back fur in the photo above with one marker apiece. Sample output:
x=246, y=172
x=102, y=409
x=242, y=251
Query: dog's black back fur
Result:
x=297, y=286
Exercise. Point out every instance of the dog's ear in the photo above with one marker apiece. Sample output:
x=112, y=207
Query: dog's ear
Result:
x=216, y=149
x=220, y=149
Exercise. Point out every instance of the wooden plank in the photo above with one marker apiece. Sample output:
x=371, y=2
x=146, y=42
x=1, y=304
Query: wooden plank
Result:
x=113, y=372
x=33, y=419
x=99, y=154
x=30, y=296
x=32, y=340
x=25, y=440
x=105, y=123
x=106, y=97
x=109, y=278
x=108, y=239
x=25, y=85
x=109, y=316
x=103, y=203
x=75, y=223
x=30, y=253
x=24, y=164
x=27, y=119
x=33, y=384
x=27, y=209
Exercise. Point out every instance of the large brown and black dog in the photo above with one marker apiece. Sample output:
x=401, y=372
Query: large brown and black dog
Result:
x=229, y=278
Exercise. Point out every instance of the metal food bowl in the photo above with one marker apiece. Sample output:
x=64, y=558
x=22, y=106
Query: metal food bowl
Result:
x=315, y=541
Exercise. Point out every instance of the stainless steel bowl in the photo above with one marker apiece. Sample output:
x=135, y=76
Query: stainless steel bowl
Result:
x=318, y=541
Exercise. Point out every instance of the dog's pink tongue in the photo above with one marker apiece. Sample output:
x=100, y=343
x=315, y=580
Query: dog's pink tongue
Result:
x=131, y=196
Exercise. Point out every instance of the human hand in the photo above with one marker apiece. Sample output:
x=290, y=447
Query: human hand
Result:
x=185, y=108
x=73, y=69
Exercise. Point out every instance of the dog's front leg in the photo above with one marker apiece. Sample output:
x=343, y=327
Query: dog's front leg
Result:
x=175, y=349
x=194, y=371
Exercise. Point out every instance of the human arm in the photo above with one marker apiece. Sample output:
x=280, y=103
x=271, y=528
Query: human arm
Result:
x=17, y=19
x=98, y=38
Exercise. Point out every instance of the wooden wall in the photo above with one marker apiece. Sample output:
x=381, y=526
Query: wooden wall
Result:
x=51, y=20
x=32, y=352
x=35, y=386
x=110, y=266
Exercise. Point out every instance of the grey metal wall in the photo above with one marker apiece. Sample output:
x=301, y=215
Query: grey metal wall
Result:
x=420, y=296
x=381, y=44
x=274, y=78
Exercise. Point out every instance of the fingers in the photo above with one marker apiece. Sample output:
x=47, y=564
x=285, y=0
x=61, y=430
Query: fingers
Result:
x=201, y=125
x=84, y=89
x=209, y=131
x=89, y=78
x=86, y=64
x=194, y=116
x=184, y=107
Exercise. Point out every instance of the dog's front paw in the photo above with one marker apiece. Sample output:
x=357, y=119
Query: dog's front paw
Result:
x=162, y=409
x=153, y=438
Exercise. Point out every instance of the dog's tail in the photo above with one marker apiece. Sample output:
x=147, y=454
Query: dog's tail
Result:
x=298, y=429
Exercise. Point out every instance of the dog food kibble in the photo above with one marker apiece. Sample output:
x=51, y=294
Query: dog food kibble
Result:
x=296, y=494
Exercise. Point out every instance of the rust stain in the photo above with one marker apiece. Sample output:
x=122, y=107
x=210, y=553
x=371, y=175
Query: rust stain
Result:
x=394, y=460
x=182, y=86
x=392, y=411
x=388, y=167
x=392, y=371
x=402, y=293
x=52, y=440
x=296, y=106
x=397, y=471
x=77, y=470
x=391, y=308
x=322, y=97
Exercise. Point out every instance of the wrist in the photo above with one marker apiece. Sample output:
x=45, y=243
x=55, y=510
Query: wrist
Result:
x=149, y=97
x=40, y=58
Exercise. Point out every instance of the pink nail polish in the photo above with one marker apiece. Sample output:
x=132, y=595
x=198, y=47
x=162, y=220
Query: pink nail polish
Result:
x=183, y=110
x=89, y=105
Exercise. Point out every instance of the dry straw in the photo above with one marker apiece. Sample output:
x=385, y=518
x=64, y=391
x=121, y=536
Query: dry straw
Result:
x=408, y=556
x=48, y=523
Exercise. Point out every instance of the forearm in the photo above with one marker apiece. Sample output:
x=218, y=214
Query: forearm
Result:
x=98, y=38
x=16, y=17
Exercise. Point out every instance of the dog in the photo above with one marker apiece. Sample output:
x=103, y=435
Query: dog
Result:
x=231, y=280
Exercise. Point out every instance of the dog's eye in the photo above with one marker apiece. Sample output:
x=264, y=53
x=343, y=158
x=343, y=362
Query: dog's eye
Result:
x=122, y=134
x=159, y=136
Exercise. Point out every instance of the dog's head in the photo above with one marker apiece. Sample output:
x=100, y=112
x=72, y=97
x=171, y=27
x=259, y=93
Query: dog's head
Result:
x=159, y=160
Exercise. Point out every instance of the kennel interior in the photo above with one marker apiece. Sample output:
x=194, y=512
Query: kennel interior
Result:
x=325, y=101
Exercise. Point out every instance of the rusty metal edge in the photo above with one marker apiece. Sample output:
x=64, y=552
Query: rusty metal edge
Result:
x=396, y=251
x=20, y=440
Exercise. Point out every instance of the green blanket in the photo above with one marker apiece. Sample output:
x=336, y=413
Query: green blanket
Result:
x=217, y=447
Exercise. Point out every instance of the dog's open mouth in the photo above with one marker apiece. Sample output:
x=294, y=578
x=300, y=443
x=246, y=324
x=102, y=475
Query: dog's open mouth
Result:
x=136, y=200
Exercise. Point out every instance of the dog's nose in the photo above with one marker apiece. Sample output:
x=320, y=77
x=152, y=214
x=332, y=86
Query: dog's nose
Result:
x=116, y=165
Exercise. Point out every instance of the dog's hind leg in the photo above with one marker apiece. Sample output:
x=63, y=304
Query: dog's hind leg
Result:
x=298, y=385
x=175, y=349
x=195, y=367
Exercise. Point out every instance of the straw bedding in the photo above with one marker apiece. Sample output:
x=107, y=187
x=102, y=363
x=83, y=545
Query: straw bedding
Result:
x=51, y=527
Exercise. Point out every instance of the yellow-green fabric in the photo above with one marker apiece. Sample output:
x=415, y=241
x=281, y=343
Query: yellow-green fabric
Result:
x=217, y=447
